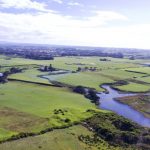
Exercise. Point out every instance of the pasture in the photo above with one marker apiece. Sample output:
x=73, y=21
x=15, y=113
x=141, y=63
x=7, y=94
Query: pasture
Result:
x=58, y=139
x=29, y=107
x=26, y=107
x=107, y=71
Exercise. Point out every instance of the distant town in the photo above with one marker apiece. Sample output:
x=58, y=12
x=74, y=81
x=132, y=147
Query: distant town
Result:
x=48, y=52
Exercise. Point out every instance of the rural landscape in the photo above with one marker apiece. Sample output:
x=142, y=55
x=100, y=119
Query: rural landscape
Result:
x=74, y=75
x=74, y=102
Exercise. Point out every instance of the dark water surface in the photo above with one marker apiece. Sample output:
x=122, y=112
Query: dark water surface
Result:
x=107, y=102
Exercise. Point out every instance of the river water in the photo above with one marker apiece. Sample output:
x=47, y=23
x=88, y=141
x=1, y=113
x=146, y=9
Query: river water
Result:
x=107, y=102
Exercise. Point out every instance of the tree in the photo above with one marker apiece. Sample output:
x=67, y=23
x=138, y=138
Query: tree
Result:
x=45, y=68
x=50, y=68
x=79, y=89
x=79, y=69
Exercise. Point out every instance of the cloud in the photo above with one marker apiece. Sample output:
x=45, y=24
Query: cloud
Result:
x=54, y=28
x=23, y=4
x=74, y=4
x=58, y=1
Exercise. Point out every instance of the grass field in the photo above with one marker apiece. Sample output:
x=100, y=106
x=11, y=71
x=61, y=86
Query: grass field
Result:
x=30, y=75
x=145, y=70
x=64, y=139
x=72, y=63
x=87, y=79
x=108, y=72
x=145, y=79
x=134, y=87
x=30, y=107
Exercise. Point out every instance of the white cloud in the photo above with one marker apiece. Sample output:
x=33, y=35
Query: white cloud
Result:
x=52, y=28
x=58, y=1
x=23, y=4
x=74, y=4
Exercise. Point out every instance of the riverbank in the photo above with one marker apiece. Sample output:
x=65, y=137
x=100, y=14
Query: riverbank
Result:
x=107, y=102
x=140, y=103
x=118, y=131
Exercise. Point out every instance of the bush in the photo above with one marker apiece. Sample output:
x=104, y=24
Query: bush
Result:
x=79, y=89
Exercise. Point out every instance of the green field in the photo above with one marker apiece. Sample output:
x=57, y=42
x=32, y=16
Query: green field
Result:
x=64, y=139
x=134, y=87
x=30, y=75
x=145, y=70
x=88, y=79
x=30, y=107
x=107, y=72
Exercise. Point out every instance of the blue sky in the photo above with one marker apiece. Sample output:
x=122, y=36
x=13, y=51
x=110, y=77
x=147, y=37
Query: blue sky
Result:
x=110, y=23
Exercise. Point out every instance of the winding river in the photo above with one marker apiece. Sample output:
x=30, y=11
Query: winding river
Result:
x=107, y=102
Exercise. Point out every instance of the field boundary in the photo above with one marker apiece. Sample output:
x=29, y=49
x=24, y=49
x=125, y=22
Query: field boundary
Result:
x=38, y=83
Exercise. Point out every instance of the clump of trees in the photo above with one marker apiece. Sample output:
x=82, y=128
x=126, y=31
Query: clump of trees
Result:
x=79, y=69
x=15, y=70
x=104, y=59
x=88, y=93
x=47, y=68
x=4, y=75
x=92, y=95
x=79, y=89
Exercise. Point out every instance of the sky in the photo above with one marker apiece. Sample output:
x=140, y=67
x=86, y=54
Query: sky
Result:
x=105, y=23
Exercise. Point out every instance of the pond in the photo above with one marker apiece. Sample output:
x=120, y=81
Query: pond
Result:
x=107, y=102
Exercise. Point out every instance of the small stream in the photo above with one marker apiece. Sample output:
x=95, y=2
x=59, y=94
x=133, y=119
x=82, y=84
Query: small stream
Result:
x=55, y=75
x=107, y=102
